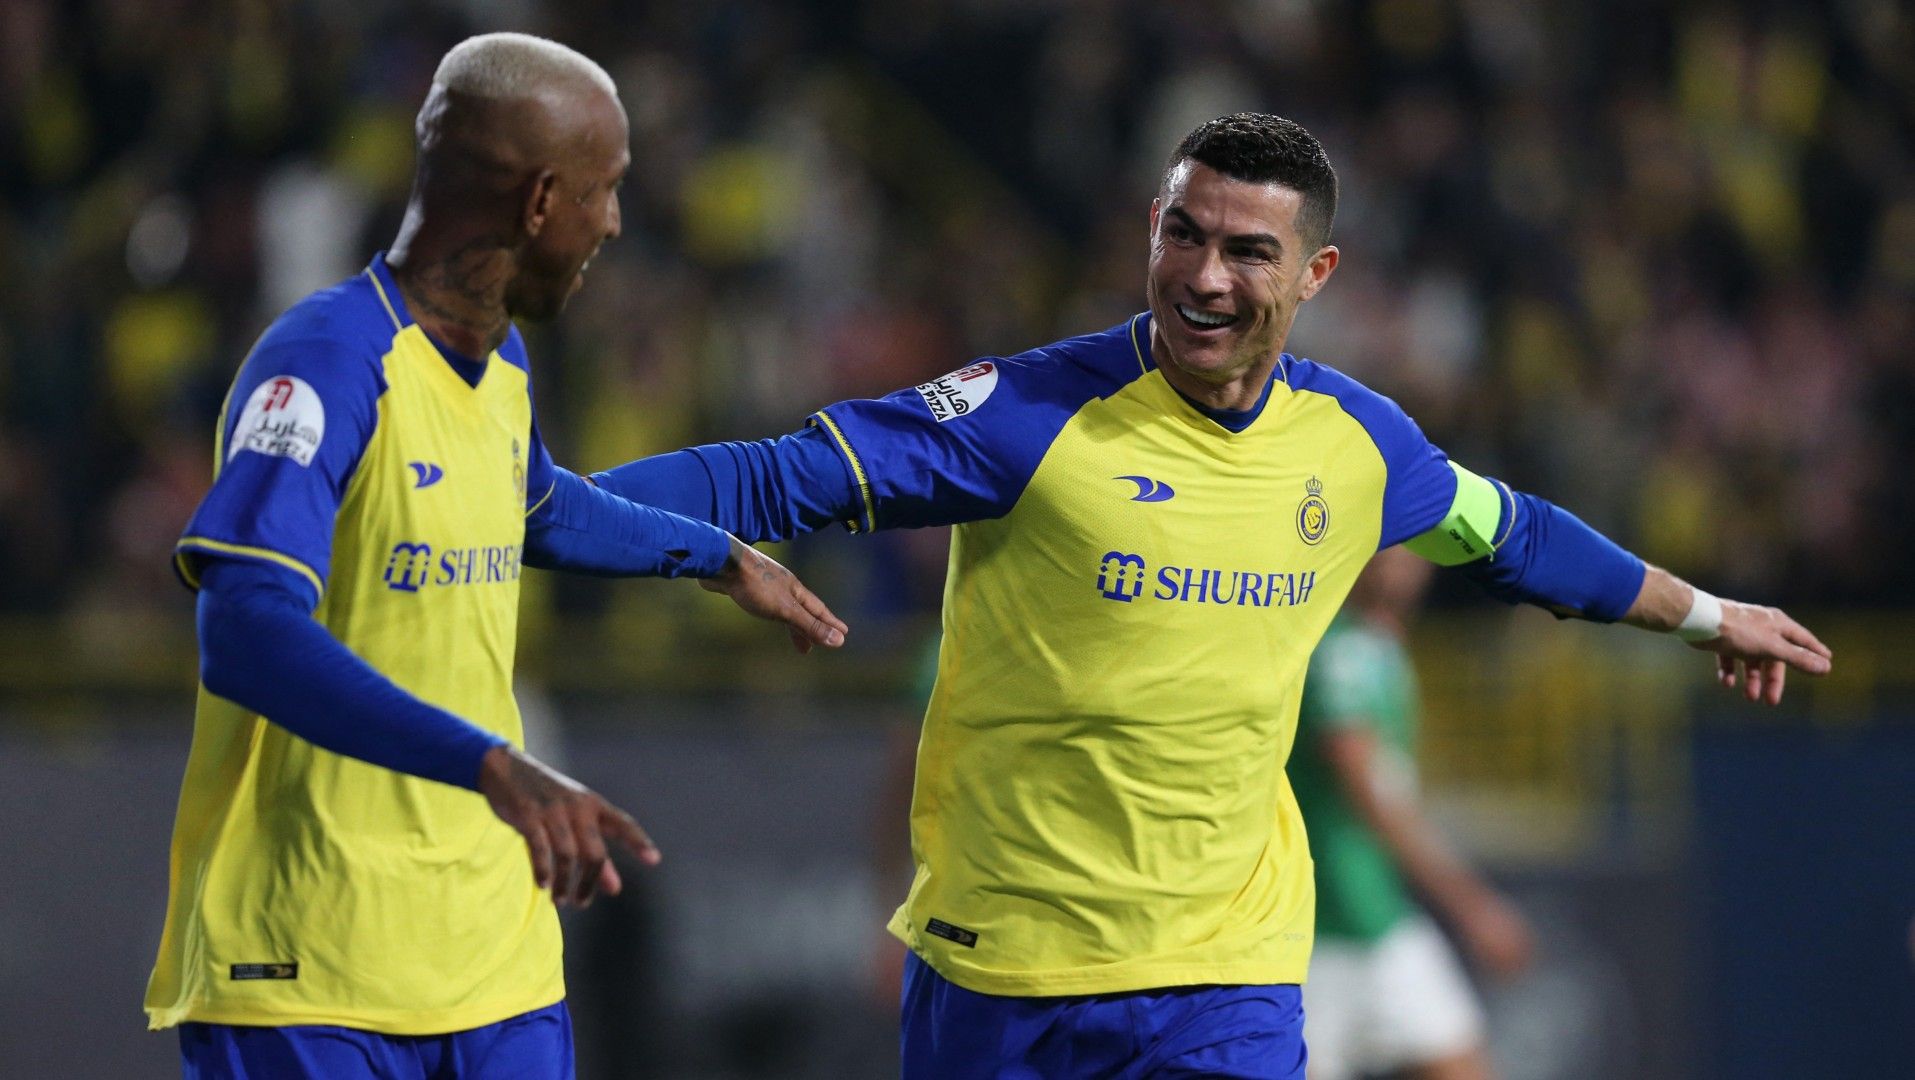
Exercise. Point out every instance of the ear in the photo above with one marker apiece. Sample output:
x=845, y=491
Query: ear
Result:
x=1322, y=265
x=538, y=202
x=1156, y=208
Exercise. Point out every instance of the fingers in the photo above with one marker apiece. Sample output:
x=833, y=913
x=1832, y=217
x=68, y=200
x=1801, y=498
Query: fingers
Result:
x=609, y=883
x=1811, y=655
x=541, y=848
x=1775, y=672
x=811, y=622
x=825, y=628
x=1725, y=672
x=625, y=832
x=593, y=859
x=565, y=864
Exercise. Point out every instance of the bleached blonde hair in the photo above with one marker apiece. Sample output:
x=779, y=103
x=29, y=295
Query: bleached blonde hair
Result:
x=509, y=65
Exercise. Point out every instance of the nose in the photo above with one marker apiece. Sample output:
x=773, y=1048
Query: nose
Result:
x=614, y=218
x=1212, y=277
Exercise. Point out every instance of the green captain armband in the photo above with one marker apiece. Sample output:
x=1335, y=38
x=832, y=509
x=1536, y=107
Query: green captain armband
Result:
x=1468, y=532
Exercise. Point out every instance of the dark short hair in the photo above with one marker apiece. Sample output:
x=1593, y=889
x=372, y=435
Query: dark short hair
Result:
x=1258, y=148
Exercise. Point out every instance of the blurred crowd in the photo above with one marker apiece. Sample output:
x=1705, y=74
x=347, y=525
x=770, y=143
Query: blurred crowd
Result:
x=1655, y=261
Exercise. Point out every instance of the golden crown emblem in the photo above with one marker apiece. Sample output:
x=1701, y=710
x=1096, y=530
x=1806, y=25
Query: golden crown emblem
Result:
x=1313, y=486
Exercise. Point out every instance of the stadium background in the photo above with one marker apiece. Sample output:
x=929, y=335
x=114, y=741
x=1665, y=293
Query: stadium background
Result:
x=1653, y=260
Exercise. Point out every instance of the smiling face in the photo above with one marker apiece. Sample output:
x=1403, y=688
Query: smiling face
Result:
x=580, y=211
x=1228, y=269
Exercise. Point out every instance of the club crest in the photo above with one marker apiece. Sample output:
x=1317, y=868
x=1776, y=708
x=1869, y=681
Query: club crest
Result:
x=1313, y=514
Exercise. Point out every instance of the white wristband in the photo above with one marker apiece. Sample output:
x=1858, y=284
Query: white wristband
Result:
x=1704, y=621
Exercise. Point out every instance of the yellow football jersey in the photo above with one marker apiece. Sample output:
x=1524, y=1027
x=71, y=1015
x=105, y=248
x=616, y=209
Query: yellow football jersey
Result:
x=1134, y=592
x=311, y=888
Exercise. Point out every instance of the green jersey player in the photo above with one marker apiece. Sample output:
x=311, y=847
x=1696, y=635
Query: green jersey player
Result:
x=1386, y=992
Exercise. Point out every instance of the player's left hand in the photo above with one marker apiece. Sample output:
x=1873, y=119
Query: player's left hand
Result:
x=1758, y=646
x=761, y=586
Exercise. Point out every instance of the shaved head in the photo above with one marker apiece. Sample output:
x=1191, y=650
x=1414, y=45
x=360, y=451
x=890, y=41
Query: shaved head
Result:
x=501, y=104
x=522, y=145
x=515, y=65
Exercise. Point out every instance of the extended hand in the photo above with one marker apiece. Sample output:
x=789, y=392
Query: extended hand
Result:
x=757, y=583
x=565, y=824
x=1759, y=645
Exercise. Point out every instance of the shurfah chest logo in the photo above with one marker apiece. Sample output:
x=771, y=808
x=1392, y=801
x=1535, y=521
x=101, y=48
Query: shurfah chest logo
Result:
x=1313, y=514
x=283, y=418
x=961, y=392
x=414, y=566
x=1127, y=577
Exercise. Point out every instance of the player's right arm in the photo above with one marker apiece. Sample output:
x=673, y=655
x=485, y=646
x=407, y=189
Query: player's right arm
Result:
x=869, y=464
x=258, y=550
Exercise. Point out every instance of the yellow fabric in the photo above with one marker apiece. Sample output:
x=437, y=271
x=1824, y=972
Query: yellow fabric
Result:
x=1121, y=761
x=408, y=907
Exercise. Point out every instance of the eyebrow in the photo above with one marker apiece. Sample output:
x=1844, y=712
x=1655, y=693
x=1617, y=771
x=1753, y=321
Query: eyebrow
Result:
x=1241, y=238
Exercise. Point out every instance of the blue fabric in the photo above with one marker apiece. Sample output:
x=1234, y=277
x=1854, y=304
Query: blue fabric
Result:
x=588, y=530
x=532, y=1046
x=924, y=468
x=1244, y=1032
x=259, y=647
x=768, y=490
x=331, y=341
x=1238, y=419
x=1419, y=487
x=1552, y=559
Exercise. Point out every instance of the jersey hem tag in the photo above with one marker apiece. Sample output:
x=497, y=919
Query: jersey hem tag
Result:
x=940, y=928
x=246, y=972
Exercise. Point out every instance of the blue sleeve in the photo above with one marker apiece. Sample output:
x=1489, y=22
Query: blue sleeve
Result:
x=772, y=489
x=1550, y=558
x=1418, y=487
x=588, y=530
x=961, y=447
x=260, y=648
x=296, y=421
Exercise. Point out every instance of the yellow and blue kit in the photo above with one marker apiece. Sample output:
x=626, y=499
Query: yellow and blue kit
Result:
x=375, y=498
x=1135, y=587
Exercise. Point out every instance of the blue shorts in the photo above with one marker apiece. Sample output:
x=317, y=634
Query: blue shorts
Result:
x=1241, y=1032
x=533, y=1046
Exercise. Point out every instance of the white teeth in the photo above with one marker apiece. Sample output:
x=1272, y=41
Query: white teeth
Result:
x=1205, y=318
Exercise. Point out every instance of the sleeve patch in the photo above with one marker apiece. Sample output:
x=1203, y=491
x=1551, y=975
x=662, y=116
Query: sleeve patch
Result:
x=283, y=418
x=960, y=393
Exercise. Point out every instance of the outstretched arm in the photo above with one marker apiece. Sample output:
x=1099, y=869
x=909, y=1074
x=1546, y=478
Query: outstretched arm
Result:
x=768, y=490
x=581, y=528
x=1754, y=645
x=1524, y=549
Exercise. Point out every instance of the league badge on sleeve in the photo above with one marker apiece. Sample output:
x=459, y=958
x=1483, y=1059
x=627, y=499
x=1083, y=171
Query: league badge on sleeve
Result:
x=1313, y=514
x=961, y=392
x=283, y=418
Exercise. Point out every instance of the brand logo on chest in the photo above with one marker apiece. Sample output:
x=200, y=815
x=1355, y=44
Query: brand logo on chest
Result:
x=413, y=566
x=1123, y=577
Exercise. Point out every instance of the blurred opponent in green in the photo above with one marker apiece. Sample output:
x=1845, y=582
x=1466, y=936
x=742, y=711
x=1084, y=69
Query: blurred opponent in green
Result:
x=1386, y=993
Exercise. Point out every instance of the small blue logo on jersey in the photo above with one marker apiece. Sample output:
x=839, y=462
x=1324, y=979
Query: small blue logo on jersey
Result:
x=425, y=473
x=1313, y=514
x=1149, y=490
x=407, y=568
x=1120, y=576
